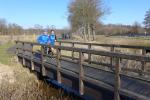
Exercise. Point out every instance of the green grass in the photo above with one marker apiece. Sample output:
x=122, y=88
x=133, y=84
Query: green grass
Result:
x=5, y=58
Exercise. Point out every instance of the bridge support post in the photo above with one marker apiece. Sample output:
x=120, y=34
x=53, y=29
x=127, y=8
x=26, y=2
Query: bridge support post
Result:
x=143, y=63
x=112, y=58
x=23, y=59
x=58, y=66
x=81, y=74
x=42, y=62
x=72, y=51
x=89, y=55
x=17, y=59
x=59, y=43
x=32, y=63
x=117, y=79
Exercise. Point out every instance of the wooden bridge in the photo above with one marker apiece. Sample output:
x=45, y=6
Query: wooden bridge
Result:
x=91, y=79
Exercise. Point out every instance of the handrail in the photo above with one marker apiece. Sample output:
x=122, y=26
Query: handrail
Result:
x=106, y=53
x=95, y=44
x=107, y=45
x=97, y=52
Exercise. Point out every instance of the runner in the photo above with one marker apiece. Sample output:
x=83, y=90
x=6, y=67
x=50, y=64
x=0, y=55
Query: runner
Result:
x=52, y=39
x=43, y=39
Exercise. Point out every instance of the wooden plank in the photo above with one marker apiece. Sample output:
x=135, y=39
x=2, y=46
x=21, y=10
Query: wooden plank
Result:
x=60, y=45
x=68, y=72
x=58, y=66
x=89, y=54
x=81, y=74
x=72, y=51
x=143, y=63
x=32, y=63
x=112, y=58
x=103, y=64
x=99, y=83
x=69, y=57
x=133, y=95
x=117, y=79
x=23, y=59
x=17, y=52
x=42, y=62
x=34, y=43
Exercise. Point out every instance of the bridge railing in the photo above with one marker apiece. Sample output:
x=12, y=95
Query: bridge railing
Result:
x=111, y=54
x=111, y=47
x=143, y=58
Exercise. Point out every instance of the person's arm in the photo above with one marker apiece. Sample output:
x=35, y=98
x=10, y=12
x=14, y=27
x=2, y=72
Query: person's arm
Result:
x=39, y=39
x=55, y=38
x=48, y=40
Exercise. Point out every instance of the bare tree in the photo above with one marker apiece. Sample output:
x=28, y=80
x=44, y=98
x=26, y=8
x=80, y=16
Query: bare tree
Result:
x=135, y=28
x=3, y=27
x=38, y=29
x=85, y=13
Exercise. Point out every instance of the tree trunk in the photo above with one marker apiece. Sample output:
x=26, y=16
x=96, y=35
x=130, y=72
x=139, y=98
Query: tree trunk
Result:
x=89, y=32
x=84, y=33
x=93, y=34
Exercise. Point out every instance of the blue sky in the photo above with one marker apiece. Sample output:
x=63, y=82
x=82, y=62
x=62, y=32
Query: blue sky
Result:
x=54, y=12
x=126, y=11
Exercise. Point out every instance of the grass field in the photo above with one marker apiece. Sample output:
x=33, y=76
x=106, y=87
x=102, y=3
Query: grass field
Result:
x=7, y=38
x=99, y=39
x=123, y=40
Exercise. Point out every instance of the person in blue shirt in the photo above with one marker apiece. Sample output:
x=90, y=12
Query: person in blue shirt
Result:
x=52, y=39
x=43, y=39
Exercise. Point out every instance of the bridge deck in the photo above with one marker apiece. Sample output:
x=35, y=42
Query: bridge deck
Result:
x=104, y=79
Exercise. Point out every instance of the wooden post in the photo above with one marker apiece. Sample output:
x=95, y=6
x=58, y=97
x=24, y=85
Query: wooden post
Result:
x=112, y=58
x=60, y=50
x=16, y=48
x=81, y=74
x=58, y=66
x=42, y=61
x=17, y=59
x=142, y=63
x=32, y=63
x=23, y=59
x=117, y=80
x=59, y=43
x=72, y=51
x=89, y=55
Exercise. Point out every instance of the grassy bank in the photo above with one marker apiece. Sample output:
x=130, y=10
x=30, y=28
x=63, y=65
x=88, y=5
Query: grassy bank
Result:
x=5, y=58
x=17, y=83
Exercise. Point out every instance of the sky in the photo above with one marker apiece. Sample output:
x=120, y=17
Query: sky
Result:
x=27, y=13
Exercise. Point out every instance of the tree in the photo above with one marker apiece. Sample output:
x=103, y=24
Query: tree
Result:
x=3, y=27
x=38, y=29
x=147, y=21
x=84, y=14
x=135, y=28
